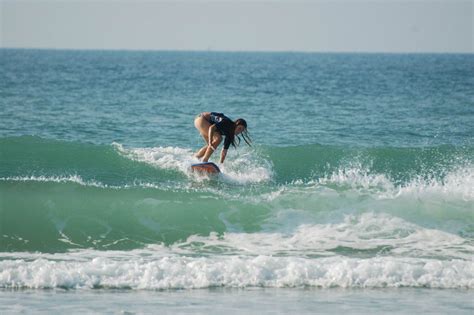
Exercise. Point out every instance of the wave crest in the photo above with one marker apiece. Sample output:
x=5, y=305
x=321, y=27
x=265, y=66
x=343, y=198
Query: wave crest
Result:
x=260, y=271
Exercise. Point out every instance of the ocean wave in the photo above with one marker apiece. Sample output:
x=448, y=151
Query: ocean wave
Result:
x=287, y=233
x=245, y=168
x=457, y=183
x=236, y=271
x=72, y=195
x=116, y=164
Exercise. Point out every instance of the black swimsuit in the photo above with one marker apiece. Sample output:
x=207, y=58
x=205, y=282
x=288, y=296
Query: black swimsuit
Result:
x=225, y=126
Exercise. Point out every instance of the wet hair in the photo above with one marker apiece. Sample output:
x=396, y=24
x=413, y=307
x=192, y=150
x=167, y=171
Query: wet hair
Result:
x=245, y=133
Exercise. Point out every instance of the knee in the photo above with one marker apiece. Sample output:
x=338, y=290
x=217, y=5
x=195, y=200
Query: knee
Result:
x=216, y=141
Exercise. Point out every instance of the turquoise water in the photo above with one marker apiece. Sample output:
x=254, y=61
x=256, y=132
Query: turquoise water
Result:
x=361, y=176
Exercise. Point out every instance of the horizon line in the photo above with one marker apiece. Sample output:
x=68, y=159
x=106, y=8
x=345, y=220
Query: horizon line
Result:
x=239, y=51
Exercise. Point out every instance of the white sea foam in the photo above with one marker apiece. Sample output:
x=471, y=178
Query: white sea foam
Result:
x=243, y=167
x=288, y=233
x=76, y=179
x=56, y=179
x=357, y=178
x=247, y=168
x=172, y=158
x=459, y=183
x=236, y=271
x=367, y=250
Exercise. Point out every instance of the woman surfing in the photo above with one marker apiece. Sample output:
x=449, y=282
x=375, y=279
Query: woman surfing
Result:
x=212, y=126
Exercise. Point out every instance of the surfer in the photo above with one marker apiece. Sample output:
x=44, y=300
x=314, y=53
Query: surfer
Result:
x=212, y=126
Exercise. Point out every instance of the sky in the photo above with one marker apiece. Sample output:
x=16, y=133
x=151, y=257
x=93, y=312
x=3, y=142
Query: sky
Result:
x=240, y=25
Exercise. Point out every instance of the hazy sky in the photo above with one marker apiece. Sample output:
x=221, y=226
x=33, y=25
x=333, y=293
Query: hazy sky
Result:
x=280, y=25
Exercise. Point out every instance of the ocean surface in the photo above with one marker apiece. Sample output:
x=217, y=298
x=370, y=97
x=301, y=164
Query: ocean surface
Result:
x=357, y=195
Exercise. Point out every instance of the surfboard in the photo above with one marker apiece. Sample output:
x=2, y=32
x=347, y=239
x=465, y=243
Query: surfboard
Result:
x=206, y=167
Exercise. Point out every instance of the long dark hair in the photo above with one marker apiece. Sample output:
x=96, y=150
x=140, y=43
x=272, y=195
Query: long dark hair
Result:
x=245, y=134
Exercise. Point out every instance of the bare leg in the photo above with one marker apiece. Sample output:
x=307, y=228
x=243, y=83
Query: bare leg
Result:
x=202, y=126
x=199, y=154
x=215, y=143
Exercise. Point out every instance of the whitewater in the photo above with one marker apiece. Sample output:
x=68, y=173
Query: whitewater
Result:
x=350, y=227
